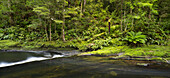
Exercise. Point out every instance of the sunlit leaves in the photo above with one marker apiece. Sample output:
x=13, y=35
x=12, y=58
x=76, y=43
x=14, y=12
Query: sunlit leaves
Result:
x=42, y=11
x=136, y=17
x=154, y=11
x=58, y=21
x=111, y=1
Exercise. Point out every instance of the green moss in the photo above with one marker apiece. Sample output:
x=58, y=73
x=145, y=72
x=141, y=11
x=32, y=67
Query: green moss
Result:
x=157, y=58
x=4, y=44
x=152, y=50
x=107, y=50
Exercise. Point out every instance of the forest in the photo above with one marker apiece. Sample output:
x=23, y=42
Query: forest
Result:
x=100, y=26
x=84, y=38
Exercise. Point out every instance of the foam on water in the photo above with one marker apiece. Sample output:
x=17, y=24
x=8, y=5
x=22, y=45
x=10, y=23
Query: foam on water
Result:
x=30, y=59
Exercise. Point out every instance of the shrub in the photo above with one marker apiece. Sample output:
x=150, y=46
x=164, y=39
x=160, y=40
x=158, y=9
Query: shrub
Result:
x=135, y=38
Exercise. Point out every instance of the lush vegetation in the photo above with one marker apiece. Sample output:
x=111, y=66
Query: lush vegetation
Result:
x=87, y=25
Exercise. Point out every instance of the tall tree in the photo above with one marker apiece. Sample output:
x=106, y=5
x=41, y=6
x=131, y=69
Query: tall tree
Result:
x=63, y=25
x=121, y=15
x=84, y=6
x=10, y=14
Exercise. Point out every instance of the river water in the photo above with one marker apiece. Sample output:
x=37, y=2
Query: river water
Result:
x=38, y=64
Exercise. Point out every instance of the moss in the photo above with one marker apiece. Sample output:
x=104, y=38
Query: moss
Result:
x=4, y=44
x=149, y=51
x=152, y=50
x=157, y=58
x=107, y=50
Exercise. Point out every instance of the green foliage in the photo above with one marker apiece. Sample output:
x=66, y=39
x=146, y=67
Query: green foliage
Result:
x=135, y=38
x=42, y=11
x=5, y=44
x=85, y=24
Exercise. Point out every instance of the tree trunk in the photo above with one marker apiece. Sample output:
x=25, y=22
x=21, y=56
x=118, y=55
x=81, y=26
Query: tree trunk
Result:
x=41, y=24
x=50, y=30
x=81, y=9
x=121, y=15
x=131, y=12
x=63, y=35
x=9, y=4
x=109, y=27
x=10, y=16
x=46, y=32
x=149, y=14
x=55, y=28
x=84, y=6
x=125, y=17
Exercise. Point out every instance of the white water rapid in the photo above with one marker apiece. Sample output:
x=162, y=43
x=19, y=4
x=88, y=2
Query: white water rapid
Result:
x=29, y=59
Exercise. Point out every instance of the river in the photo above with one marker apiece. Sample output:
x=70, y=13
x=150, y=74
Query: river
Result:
x=63, y=64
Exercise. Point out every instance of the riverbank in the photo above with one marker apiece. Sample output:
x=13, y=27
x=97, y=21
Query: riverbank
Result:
x=144, y=53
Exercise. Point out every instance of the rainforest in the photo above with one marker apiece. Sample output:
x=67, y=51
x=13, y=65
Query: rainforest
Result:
x=133, y=32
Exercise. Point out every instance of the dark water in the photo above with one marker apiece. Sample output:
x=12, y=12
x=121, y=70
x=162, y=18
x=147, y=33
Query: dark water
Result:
x=79, y=67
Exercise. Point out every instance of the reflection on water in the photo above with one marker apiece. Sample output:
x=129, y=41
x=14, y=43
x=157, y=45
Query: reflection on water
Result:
x=82, y=67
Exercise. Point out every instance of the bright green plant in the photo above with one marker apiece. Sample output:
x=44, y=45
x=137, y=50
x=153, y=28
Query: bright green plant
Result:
x=135, y=38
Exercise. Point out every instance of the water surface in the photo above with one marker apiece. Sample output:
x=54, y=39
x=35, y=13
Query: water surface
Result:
x=80, y=67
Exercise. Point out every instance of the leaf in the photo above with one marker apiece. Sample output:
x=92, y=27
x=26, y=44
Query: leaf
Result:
x=139, y=33
x=142, y=36
x=67, y=16
x=130, y=40
x=155, y=11
x=58, y=21
x=1, y=34
x=135, y=42
x=136, y=17
x=131, y=33
x=41, y=10
x=72, y=12
x=142, y=41
x=74, y=18
x=58, y=12
x=125, y=39
x=111, y=1
x=136, y=38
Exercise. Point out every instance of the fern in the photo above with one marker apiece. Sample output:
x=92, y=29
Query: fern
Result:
x=135, y=38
